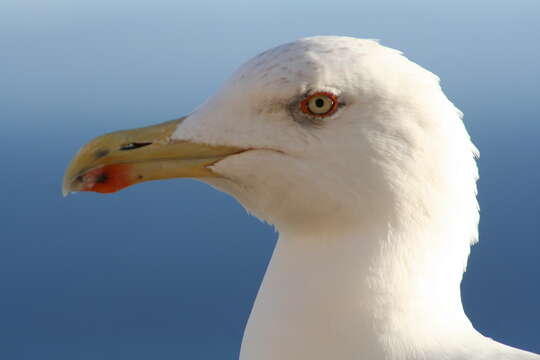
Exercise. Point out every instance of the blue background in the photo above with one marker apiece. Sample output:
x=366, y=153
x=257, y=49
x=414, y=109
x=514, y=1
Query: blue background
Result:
x=170, y=269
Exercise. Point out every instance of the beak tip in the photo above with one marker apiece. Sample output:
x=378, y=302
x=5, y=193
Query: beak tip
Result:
x=66, y=187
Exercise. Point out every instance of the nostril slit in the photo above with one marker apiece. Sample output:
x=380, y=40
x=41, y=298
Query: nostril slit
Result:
x=101, y=153
x=135, y=145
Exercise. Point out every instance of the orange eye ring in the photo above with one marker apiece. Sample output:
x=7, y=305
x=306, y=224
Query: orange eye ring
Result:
x=320, y=104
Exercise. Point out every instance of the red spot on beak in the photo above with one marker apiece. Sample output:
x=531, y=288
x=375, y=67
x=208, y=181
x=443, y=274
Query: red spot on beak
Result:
x=107, y=179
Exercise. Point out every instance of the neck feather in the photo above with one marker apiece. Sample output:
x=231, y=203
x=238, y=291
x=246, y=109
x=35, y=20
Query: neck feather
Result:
x=364, y=294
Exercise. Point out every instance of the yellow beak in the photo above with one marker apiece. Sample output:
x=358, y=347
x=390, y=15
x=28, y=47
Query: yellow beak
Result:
x=116, y=160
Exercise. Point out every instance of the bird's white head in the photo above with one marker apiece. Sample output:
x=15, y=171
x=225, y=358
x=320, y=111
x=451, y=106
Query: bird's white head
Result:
x=330, y=132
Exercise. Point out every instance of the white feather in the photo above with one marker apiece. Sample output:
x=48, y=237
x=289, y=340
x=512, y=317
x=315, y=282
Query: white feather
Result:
x=376, y=205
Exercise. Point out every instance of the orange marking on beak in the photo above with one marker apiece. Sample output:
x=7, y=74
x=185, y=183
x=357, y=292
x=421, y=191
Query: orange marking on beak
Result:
x=107, y=179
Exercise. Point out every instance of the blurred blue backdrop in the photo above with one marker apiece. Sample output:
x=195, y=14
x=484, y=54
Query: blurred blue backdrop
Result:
x=170, y=269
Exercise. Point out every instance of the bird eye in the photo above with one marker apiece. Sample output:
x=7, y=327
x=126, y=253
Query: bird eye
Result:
x=320, y=104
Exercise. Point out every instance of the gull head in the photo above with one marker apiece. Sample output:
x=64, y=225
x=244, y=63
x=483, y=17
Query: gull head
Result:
x=324, y=130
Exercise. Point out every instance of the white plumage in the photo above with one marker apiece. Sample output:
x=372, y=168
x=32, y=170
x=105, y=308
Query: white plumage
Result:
x=365, y=168
x=375, y=205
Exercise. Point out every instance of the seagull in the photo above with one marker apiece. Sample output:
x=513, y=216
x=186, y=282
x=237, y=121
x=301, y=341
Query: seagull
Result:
x=365, y=168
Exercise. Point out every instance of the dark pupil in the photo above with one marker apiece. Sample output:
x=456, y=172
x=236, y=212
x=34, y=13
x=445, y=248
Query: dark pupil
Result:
x=319, y=103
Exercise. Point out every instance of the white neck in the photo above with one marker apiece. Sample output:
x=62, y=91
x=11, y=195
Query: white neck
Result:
x=364, y=295
x=355, y=295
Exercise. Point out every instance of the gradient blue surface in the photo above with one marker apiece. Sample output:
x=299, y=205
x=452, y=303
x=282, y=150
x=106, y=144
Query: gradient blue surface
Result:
x=169, y=270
